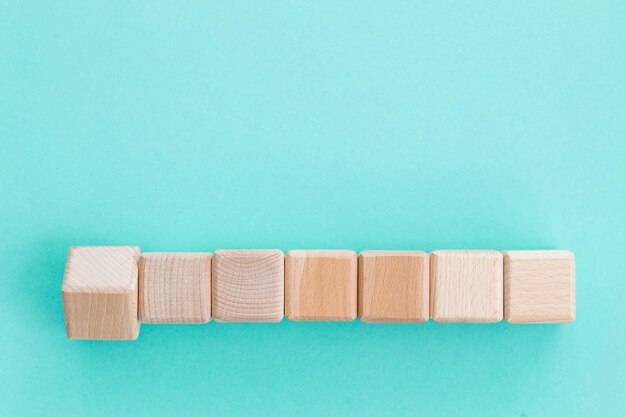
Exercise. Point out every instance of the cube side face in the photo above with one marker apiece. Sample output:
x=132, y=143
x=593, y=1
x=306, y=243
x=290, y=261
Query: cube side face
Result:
x=321, y=285
x=101, y=316
x=540, y=287
x=175, y=288
x=467, y=286
x=393, y=287
x=248, y=286
x=100, y=293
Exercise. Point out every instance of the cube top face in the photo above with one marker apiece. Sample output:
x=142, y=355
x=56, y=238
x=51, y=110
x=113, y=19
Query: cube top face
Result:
x=177, y=255
x=321, y=285
x=323, y=254
x=466, y=286
x=100, y=293
x=103, y=268
x=248, y=285
x=392, y=253
x=175, y=287
x=393, y=286
x=534, y=255
x=539, y=286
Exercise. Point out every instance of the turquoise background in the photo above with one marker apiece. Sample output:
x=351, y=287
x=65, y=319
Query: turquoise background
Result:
x=361, y=125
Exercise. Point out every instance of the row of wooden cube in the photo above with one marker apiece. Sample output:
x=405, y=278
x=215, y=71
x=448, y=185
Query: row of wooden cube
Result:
x=108, y=290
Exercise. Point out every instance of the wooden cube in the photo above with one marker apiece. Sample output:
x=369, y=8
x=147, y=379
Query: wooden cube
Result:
x=248, y=285
x=466, y=286
x=321, y=285
x=393, y=286
x=539, y=286
x=175, y=287
x=100, y=293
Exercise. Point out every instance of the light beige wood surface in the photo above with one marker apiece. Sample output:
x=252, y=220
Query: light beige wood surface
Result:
x=539, y=286
x=321, y=285
x=248, y=285
x=174, y=287
x=466, y=286
x=393, y=286
x=100, y=293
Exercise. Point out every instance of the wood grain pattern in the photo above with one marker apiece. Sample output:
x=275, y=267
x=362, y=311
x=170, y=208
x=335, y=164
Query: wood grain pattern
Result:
x=175, y=287
x=539, y=286
x=321, y=285
x=466, y=286
x=100, y=293
x=393, y=286
x=248, y=285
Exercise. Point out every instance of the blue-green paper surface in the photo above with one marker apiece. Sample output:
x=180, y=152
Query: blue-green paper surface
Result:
x=352, y=124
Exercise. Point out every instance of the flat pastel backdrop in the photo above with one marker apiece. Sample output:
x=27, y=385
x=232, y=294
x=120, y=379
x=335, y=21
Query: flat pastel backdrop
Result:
x=351, y=124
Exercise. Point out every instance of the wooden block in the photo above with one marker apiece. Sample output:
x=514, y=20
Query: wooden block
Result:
x=100, y=292
x=248, y=285
x=175, y=287
x=321, y=285
x=539, y=286
x=466, y=286
x=393, y=286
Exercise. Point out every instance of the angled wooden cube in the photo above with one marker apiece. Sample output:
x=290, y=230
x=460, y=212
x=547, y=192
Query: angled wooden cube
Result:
x=321, y=285
x=466, y=286
x=539, y=286
x=393, y=286
x=175, y=287
x=100, y=293
x=248, y=285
